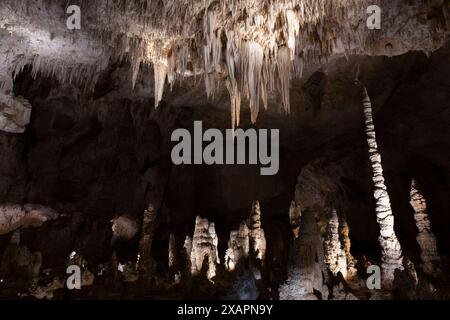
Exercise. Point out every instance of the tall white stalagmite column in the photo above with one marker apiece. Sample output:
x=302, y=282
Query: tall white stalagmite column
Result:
x=391, y=250
x=426, y=239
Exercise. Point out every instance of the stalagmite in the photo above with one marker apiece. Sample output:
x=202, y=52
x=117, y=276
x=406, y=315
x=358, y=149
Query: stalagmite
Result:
x=344, y=235
x=172, y=253
x=13, y=217
x=295, y=215
x=256, y=233
x=145, y=244
x=187, y=250
x=238, y=247
x=426, y=239
x=204, y=246
x=305, y=270
x=390, y=246
x=335, y=257
x=249, y=239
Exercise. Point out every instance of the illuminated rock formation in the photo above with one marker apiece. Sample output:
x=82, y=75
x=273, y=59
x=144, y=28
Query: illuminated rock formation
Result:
x=304, y=270
x=335, y=257
x=145, y=244
x=249, y=239
x=344, y=236
x=187, y=246
x=238, y=247
x=390, y=246
x=426, y=239
x=204, y=246
x=13, y=217
x=256, y=235
x=267, y=43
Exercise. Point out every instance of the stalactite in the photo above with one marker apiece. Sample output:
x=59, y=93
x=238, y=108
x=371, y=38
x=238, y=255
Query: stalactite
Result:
x=390, y=246
x=284, y=74
x=426, y=239
x=145, y=245
x=204, y=246
x=310, y=30
x=253, y=64
x=160, y=70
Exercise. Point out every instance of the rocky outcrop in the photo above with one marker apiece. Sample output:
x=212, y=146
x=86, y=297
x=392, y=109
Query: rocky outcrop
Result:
x=15, y=113
x=426, y=239
x=15, y=216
